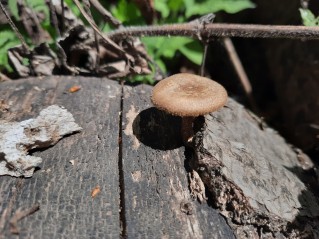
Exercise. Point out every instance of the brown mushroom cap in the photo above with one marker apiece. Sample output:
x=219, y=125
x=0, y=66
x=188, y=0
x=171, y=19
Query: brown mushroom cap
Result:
x=188, y=95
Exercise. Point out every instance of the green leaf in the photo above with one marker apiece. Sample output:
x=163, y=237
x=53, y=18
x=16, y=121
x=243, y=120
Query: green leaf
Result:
x=13, y=8
x=127, y=12
x=167, y=47
x=73, y=7
x=161, y=64
x=162, y=7
x=6, y=36
x=175, y=5
x=308, y=18
x=230, y=6
x=8, y=39
x=193, y=51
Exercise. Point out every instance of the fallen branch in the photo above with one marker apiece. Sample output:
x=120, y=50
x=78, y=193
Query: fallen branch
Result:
x=212, y=30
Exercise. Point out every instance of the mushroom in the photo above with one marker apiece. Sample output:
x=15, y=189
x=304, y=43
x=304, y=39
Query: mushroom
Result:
x=188, y=96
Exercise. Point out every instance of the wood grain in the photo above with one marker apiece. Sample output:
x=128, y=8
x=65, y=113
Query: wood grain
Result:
x=134, y=154
x=63, y=190
x=155, y=176
x=255, y=177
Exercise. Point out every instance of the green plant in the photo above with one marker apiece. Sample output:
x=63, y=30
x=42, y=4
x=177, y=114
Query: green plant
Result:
x=162, y=49
x=308, y=18
x=8, y=37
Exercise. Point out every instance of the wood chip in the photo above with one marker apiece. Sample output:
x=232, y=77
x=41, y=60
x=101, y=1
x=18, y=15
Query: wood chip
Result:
x=95, y=191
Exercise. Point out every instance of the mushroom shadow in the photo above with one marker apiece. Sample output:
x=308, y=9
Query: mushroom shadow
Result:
x=157, y=129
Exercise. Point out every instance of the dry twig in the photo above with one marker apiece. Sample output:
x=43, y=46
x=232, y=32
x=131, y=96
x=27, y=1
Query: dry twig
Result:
x=15, y=29
x=96, y=38
x=213, y=30
x=106, y=14
x=234, y=58
x=111, y=43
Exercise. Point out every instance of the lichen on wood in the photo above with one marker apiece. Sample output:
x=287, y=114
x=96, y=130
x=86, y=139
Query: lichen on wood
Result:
x=17, y=138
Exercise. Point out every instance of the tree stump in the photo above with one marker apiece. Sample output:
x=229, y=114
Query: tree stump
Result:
x=151, y=186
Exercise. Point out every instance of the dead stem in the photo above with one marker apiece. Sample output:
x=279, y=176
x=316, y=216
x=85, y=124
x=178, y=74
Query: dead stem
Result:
x=213, y=30
x=107, y=16
x=86, y=4
x=241, y=73
x=15, y=29
x=111, y=43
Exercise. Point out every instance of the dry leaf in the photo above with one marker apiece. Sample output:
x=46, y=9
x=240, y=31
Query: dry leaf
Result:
x=95, y=191
x=74, y=88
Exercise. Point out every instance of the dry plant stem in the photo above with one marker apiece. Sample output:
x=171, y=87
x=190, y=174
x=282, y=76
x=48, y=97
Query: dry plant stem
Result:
x=213, y=30
x=187, y=131
x=53, y=17
x=96, y=39
x=111, y=43
x=62, y=22
x=106, y=14
x=202, y=67
x=15, y=29
x=234, y=58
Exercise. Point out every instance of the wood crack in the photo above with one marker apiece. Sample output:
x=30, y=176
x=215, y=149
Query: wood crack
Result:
x=123, y=232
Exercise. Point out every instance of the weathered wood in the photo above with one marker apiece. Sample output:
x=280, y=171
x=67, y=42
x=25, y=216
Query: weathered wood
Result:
x=63, y=190
x=256, y=178
x=136, y=156
x=155, y=176
x=152, y=201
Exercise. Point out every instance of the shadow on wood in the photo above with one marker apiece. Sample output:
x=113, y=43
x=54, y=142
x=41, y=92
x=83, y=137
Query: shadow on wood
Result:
x=157, y=129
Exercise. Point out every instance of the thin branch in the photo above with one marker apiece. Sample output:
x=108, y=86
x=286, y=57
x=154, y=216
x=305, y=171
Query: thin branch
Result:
x=234, y=58
x=15, y=29
x=96, y=29
x=106, y=14
x=202, y=67
x=63, y=18
x=96, y=38
x=213, y=30
x=53, y=17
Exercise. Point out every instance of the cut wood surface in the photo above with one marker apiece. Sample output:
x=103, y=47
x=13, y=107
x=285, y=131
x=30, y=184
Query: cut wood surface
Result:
x=63, y=190
x=158, y=203
x=144, y=187
x=254, y=183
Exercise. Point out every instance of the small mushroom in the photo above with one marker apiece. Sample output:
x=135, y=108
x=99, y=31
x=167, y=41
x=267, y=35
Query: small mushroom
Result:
x=188, y=96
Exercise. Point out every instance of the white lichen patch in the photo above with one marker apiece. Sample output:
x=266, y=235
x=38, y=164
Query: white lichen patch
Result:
x=17, y=138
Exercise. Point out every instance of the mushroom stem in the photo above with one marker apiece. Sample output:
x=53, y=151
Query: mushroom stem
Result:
x=187, y=129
